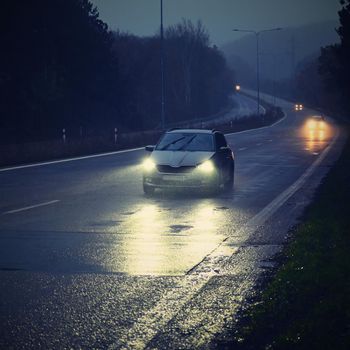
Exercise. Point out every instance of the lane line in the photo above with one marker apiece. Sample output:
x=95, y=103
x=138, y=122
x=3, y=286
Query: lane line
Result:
x=273, y=206
x=154, y=320
x=118, y=152
x=242, y=149
x=30, y=207
x=261, y=128
x=276, y=203
x=71, y=159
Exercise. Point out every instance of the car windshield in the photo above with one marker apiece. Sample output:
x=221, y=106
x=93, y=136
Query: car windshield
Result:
x=186, y=142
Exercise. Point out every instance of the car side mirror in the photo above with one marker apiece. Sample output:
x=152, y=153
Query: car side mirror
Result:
x=149, y=148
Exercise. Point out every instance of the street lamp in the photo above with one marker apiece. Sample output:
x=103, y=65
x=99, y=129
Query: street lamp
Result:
x=257, y=34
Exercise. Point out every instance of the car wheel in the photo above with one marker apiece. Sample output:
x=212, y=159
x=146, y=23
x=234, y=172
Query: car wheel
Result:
x=148, y=190
x=217, y=185
x=229, y=184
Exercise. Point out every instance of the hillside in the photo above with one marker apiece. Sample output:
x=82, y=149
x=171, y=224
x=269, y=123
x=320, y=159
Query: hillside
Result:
x=280, y=51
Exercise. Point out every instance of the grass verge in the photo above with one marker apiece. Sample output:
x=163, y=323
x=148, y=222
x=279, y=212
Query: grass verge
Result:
x=306, y=304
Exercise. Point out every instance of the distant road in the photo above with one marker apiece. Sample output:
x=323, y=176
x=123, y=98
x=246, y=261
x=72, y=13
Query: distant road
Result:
x=243, y=106
x=86, y=260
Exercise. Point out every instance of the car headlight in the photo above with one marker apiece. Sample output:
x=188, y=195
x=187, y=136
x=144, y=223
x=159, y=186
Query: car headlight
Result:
x=206, y=167
x=148, y=165
x=311, y=124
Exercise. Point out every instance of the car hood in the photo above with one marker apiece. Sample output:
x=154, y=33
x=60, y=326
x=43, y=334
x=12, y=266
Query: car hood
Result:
x=180, y=158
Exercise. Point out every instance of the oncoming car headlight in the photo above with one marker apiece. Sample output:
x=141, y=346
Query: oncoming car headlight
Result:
x=206, y=167
x=148, y=165
x=311, y=124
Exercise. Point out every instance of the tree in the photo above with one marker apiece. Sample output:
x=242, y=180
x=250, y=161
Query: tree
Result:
x=188, y=41
x=334, y=61
x=198, y=79
x=61, y=67
x=56, y=68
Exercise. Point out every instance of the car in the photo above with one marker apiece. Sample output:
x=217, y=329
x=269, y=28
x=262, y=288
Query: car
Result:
x=189, y=158
x=298, y=107
x=316, y=122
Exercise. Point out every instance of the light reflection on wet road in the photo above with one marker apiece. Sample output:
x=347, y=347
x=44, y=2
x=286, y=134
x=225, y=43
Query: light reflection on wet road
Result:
x=175, y=260
x=156, y=242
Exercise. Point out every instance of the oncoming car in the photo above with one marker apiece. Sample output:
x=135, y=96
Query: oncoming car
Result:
x=298, y=107
x=189, y=158
x=316, y=122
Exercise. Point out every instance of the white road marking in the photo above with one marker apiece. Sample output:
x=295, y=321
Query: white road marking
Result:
x=242, y=149
x=117, y=152
x=70, y=159
x=30, y=207
x=263, y=127
x=271, y=208
x=259, y=144
x=153, y=320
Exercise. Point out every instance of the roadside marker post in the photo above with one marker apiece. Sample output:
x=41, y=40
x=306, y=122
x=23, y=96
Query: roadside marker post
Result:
x=115, y=135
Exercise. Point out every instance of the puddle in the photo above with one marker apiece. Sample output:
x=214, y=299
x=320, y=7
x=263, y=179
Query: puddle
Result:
x=179, y=228
x=221, y=208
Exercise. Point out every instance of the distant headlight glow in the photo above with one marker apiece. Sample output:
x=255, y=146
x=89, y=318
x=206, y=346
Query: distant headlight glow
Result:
x=148, y=165
x=311, y=124
x=206, y=167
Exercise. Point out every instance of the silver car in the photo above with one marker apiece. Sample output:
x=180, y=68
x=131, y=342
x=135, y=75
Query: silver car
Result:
x=189, y=158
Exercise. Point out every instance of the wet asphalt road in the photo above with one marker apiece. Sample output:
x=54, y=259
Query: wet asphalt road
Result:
x=88, y=261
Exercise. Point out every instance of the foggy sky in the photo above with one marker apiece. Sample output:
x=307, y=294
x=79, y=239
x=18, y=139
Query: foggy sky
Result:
x=141, y=17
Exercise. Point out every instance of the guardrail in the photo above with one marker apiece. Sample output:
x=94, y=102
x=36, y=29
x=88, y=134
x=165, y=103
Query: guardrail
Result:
x=76, y=146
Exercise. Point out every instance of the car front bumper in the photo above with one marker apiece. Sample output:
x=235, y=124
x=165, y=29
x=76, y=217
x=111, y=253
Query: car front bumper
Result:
x=188, y=180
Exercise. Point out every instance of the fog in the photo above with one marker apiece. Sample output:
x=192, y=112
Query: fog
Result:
x=141, y=17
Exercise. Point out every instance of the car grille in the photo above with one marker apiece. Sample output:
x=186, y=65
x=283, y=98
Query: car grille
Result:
x=174, y=170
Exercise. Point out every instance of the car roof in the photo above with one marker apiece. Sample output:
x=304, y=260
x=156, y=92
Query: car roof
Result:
x=191, y=131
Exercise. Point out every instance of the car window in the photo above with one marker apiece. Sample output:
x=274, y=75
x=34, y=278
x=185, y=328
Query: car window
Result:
x=186, y=142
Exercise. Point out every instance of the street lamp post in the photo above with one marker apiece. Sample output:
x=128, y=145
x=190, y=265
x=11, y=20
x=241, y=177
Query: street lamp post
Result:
x=257, y=35
x=162, y=66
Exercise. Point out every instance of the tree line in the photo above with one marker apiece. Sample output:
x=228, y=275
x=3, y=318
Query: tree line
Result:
x=324, y=80
x=334, y=65
x=62, y=67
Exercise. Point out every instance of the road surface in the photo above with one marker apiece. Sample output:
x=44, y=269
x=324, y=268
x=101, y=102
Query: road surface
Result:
x=88, y=261
x=244, y=106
